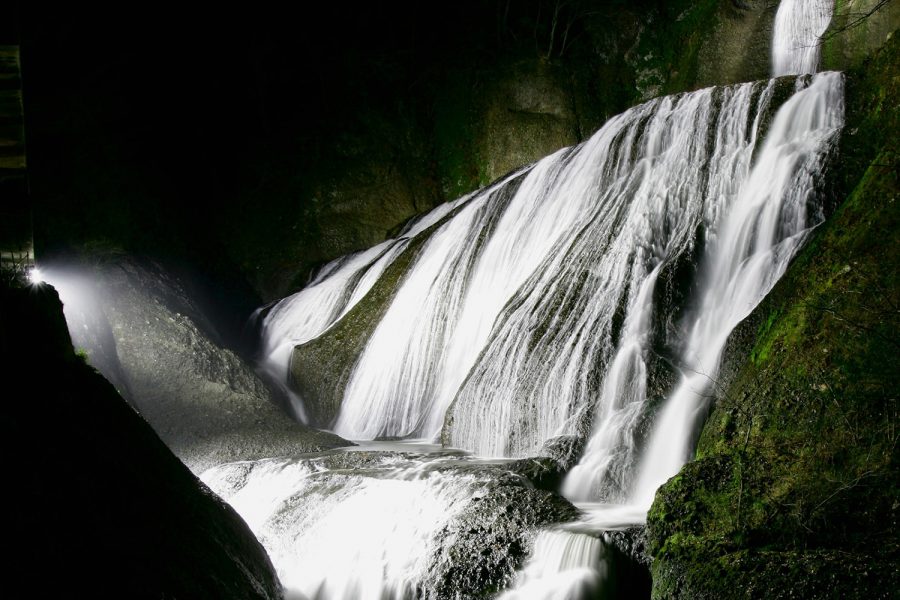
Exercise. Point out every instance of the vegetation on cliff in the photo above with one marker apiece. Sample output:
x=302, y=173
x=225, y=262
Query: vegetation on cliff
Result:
x=794, y=490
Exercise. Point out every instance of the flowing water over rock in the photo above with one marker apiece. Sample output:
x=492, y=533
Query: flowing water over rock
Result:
x=769, y=209
x=535, y=309
x=388, y=520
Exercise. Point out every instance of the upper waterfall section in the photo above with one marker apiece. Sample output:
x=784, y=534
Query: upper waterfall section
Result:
x=796, y=40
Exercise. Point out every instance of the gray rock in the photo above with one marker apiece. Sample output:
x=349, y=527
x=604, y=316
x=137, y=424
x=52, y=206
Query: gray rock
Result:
x=631, y=542
x=142, y=330
x=484, y=545
x=738, y=47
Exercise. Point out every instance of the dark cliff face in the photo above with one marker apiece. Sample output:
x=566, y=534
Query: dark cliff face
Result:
x=96, y=505
x=794, y=490
x=259, y=145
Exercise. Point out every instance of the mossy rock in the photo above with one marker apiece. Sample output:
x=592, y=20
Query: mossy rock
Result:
x=857, y=30
x=794, y=490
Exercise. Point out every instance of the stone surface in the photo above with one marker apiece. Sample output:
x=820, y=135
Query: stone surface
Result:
x=141, y=327
x=858, y=29
x=529, y=113
x=738, y=47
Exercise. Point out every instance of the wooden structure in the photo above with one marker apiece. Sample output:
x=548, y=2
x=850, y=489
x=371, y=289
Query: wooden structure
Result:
x=16, y=238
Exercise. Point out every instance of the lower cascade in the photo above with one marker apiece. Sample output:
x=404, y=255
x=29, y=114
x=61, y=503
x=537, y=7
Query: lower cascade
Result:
x=360, y=532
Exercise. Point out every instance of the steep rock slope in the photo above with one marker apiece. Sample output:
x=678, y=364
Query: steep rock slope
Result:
x=101, y=508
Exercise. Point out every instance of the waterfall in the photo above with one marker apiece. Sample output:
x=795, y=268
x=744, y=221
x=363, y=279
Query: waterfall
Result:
x=337, y=287
x=747, y=251
x=796, y=40
x=590, y=294
x=661, y=173
x=509, y=311
x=765, y=222
x=761, y=234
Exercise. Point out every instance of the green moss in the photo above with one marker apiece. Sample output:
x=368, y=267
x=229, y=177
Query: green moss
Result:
x=667, y=50
x=82, y=355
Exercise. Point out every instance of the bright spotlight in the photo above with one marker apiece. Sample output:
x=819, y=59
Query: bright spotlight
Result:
x=35, y=276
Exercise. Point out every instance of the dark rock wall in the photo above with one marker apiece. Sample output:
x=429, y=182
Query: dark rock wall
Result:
x=259, y=146
x=97, y=506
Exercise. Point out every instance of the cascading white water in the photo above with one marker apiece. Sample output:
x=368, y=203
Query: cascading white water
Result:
x=758, y=239
x=796, y=40
x=355, y=533
x=585, y=230
x=747, y=251
x=563, y=566
x=653, y=190
x=336, y=289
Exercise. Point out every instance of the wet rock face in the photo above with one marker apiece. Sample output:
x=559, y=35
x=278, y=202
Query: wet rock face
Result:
x=528, y=114
x=101, y=506
x=556, y=458
x=484, y=545
x=141, y=328
x=739, y=45
x=631, y=542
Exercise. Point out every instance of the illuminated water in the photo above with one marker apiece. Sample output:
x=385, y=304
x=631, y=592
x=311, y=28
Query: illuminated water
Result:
x=796, y=40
